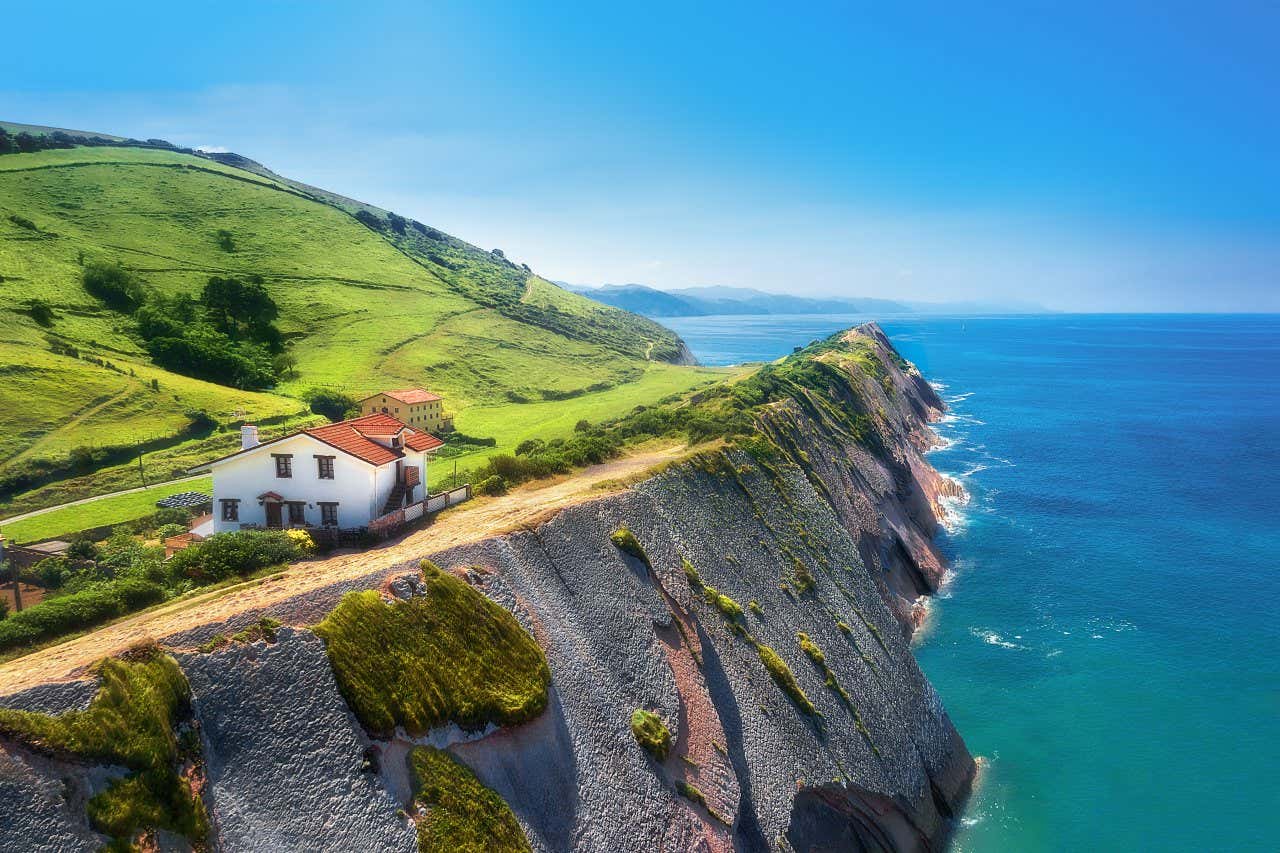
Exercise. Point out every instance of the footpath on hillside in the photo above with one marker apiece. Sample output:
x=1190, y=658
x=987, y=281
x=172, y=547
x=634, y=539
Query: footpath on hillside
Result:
x=523, y=508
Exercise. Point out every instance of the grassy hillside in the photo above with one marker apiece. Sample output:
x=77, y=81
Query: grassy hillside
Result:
x=364, y=304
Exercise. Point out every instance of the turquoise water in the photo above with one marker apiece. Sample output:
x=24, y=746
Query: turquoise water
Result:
x=1109, y=641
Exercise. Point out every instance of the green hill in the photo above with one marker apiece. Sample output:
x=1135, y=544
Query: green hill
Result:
x=366, y=299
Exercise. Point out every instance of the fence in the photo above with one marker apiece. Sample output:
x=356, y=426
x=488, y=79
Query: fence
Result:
x=391, y=522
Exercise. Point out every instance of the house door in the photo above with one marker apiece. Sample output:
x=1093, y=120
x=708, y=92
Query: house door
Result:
x=273, y=514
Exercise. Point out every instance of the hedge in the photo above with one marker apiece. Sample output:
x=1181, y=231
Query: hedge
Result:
x=77, y=611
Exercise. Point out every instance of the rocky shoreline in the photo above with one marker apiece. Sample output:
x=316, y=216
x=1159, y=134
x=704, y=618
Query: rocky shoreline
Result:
x=828, y=532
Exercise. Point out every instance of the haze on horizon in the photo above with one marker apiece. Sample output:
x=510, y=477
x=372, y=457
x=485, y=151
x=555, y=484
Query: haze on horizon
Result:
x=1084, y=157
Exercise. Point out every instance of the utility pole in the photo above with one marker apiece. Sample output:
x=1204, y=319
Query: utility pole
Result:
x=142, y=473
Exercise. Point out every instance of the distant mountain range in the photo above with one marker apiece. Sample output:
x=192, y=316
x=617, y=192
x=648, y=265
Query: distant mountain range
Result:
x=705, y=301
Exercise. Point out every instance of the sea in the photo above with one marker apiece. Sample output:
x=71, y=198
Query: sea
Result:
x=1108, y=641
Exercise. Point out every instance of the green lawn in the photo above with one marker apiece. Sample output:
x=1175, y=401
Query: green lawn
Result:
x=112, y=510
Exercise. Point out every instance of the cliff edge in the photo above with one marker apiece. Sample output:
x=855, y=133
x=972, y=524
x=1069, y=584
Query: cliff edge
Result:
x=757, y=597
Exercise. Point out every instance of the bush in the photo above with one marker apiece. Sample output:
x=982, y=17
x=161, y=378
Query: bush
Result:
x=78, y=611
x=41, y=312
x=493, y=485
x=113, y=285
x=227, y=555
x=333, y=405
x=83, y=549
x=651, y=733
x=164, y=531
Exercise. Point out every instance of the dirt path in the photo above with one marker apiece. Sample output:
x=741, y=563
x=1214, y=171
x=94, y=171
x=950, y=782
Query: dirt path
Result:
x=483, y=517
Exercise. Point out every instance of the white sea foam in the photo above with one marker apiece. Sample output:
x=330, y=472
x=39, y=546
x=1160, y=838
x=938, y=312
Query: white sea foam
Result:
x=960, y=397
x=1054, y=653
x=991, y=638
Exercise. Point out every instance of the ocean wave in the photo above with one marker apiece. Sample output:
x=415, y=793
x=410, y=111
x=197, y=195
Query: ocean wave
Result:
x=954, y=519
x=991, y=638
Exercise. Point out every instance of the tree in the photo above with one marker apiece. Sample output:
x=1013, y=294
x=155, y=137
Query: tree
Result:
x=397, y=222
x=242, y=309
x=113, y=284
x=334, y=405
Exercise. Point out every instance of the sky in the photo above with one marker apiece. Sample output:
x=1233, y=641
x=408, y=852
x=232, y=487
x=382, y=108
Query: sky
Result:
x=1082, y=156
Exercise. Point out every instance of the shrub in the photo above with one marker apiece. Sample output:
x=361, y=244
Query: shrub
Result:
x=78, y=611
x=113, y=285
x=225, y=555
x=302, y=541
x=462, y=815
x=492, y=485
x=651, y=733
x=451, y=655
x=226, y=242
x=83, y=549
x=164, y=531
x=41, y=312
x=333, y=405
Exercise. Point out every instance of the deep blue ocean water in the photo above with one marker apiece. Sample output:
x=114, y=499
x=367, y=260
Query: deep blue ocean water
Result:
x=1109, y=643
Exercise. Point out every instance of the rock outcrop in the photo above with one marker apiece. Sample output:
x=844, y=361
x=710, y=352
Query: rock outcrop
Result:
x=825, y=528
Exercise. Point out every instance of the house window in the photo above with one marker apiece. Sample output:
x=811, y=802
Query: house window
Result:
x=284, y=464
x=325, y=466
x=296, y=514
x=230, y=509
x=329, y=514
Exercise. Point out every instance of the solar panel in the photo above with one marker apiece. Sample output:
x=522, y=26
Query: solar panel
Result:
x=184, y=499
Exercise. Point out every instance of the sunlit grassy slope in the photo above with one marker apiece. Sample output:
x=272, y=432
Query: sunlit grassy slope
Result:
x=363, y=309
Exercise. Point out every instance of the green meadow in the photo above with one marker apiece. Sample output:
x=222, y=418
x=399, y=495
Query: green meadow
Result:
x=364, y=305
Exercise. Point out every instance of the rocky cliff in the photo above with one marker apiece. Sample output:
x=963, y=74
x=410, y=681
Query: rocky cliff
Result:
x=761, y=606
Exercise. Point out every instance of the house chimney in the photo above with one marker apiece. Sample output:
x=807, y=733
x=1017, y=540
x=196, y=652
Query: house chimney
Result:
x=248, y=436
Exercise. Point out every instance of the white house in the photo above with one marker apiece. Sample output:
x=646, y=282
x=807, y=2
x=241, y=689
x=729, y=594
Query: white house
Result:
x=341, y=475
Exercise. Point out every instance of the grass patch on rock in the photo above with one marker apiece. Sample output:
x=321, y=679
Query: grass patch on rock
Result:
x=461, y=814
x=626, y=541
x=264, y=629
x=131, y=722
x=651, y=733
x=784, y=678
x=451, y=655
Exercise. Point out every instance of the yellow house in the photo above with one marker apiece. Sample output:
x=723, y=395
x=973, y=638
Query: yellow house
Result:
x=413, y=406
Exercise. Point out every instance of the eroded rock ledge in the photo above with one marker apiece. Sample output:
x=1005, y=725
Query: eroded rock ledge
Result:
x=827, y=529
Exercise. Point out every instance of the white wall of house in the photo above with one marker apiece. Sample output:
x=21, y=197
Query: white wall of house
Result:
x=354, y=489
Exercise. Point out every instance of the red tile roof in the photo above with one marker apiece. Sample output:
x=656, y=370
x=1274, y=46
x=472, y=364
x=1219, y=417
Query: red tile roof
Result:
x=423, y=441
x=349, y=437
x=409, y=395
x=352, y=437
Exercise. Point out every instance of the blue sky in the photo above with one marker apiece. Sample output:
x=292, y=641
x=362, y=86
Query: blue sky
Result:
x=1083, y=156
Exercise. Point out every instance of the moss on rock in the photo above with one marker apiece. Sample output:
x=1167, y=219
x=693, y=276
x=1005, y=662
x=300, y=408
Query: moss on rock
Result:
x=461, y=814
x=130, y=722
x=784, y=678
x=651, y=733
x=451, y=655
x=626, y=541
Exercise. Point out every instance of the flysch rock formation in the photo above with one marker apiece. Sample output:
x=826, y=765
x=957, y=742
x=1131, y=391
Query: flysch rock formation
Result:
x=289, y=767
